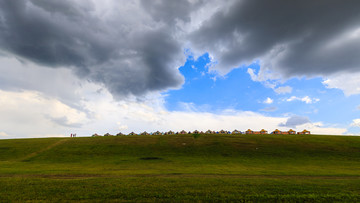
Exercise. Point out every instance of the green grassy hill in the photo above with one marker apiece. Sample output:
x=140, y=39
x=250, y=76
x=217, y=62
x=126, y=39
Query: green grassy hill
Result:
x=182, y=167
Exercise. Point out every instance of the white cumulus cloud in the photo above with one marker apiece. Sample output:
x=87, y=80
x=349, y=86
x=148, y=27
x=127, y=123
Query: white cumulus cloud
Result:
x=305, y=99
x=321, y=129
x=349, y=83
x=356, y=123
x=29, y=113
x=283, y=90
x=268, y=101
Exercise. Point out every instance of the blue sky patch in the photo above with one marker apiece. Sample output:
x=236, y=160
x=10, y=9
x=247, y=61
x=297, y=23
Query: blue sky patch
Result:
x=206, y=91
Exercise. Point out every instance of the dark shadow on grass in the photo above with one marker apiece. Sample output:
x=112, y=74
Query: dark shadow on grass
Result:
x=150, y=158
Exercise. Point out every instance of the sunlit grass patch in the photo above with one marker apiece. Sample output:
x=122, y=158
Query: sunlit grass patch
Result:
x=181, y=167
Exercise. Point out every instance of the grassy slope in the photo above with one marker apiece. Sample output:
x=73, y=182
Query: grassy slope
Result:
x=211, y=167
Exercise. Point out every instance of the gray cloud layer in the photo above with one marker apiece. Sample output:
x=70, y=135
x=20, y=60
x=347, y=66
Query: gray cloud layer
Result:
x=126, y=57
x=135, y=47
x=295, y=37
x=295, y=121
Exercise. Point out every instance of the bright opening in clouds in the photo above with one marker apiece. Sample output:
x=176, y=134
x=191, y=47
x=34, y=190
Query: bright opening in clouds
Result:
x=268, y=101
x=89, y=66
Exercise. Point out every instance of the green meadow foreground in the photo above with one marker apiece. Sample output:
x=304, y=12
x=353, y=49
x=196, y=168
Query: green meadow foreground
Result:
x=286, y=168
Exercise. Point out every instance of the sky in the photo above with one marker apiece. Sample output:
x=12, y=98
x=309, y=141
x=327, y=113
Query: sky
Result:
x=87, y=66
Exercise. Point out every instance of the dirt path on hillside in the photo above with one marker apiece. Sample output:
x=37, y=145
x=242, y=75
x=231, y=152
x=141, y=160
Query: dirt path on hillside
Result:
x=29, y=156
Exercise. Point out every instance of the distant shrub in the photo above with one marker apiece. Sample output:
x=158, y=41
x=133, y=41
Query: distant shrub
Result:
x=150, y=158
x=196, y=135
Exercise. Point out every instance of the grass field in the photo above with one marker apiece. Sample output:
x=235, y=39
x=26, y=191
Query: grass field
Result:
x=245, y=168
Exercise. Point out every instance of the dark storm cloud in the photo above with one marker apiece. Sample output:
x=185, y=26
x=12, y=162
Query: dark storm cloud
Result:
x=41, y=35
x=169, y=11
x=295, y=121
x=68, y=33
x=151, y=67
x=296, y=37
x=68, y=8
x=135, y=47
